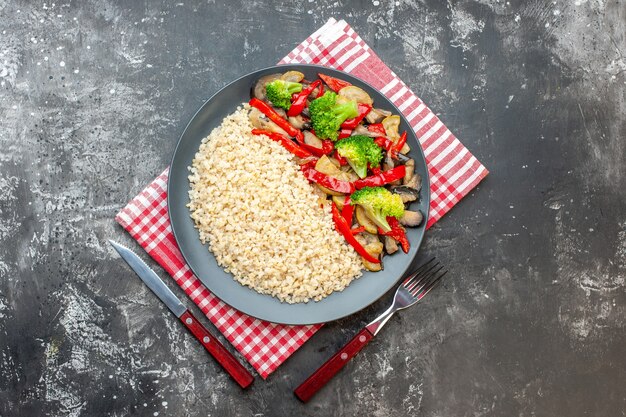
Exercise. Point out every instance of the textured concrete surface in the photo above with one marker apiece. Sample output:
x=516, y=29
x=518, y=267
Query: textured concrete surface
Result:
x=93, y=95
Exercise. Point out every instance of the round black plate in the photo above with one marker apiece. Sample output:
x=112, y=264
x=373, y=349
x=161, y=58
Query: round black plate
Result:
x=361, y=292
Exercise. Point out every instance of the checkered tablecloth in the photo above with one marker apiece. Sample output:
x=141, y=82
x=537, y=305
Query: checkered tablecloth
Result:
x=454, y=171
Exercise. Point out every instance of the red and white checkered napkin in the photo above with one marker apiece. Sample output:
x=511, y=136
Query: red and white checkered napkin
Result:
x=453, y=173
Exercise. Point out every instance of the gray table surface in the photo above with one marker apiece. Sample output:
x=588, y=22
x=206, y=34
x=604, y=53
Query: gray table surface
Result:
x=94, y=94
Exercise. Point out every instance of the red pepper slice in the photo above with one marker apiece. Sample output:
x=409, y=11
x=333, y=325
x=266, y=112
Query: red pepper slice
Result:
x=358, y=230
x=400, y=143
x=384, y=143
x=274, y=117
x=342, y=161
x=344, y=228
x=397, y=233
x=377, y=128
x=326, y=149
x=344, y=133
x=300, y=101
x=381, y=179
x=327, y=181
x=333, y=83
x=376, y=170
x=287, y=143
x=354, y=122
x=348, y=210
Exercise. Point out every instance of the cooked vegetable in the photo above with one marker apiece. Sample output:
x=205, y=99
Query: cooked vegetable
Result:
x=379, y=204
x=363, y=109
x=384, y=143
x=377, y=180
x=328, y=113
x=348, y=210
x=377, y=115
x=339, y=200
x=410, y=170
x=261, y=121
x=344, y=133
x=359, y=151
x=279, y=92
x=392, y=127
x=299, y=122
x=407, y=194
x=344, y=228
x=316, y=146
x=333, y=83
x=397, y=232
x=274, y=117
x=356, y=94
x=411, y=218
x=259, y=87
x=299, y=103
x=374, y=247
x=377, y=129
x=293, y=76
x=390, y=245
x=285, y=141
x=414, y=182
x=365, y=221
x=397, y=147
x=327, y=181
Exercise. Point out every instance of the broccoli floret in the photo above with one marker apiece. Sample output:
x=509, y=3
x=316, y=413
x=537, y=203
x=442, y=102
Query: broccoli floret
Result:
x=329, y=112
x=360, y=150
x=279, y=92
x=379, y=203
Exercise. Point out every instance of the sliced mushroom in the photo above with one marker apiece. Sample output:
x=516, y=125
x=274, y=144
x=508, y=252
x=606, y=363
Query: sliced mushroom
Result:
x=405, y=149
x=409, y=171
x=260, y=121
x=259, y=88
x=365, y=221
x=377, y=115
x=408, y=194
x=300, y=122
x=414, y=182
x=411, y=218
x=357, y=94
x=390, y=245
x=392, y=127
x=293, y=76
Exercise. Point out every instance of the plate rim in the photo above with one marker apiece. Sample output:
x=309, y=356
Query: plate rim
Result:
x=424, y=189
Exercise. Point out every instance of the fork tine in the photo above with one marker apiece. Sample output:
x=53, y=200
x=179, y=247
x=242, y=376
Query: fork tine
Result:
x=423, y=276
x=424, y=281
x=415, y=273
x=430, y=285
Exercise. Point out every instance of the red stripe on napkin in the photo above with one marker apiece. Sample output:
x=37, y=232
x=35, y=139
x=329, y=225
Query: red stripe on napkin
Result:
x=454, y=171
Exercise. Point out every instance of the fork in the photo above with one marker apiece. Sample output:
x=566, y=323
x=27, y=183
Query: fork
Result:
x=413, y=289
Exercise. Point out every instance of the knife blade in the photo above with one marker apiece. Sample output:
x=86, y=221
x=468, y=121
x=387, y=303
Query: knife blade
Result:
x=235, y=369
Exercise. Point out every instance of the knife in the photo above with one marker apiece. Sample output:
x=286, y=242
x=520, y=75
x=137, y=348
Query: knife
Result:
x=210, y=342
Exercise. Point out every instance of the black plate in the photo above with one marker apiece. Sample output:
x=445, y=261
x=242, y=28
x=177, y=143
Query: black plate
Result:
x=361, y=292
